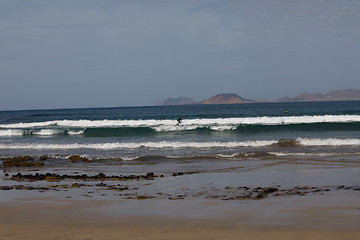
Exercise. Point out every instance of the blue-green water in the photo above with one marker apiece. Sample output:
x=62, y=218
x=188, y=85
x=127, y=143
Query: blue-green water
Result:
x=207, y=131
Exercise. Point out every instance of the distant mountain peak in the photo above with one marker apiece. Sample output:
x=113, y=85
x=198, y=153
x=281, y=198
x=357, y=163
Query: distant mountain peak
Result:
x=233, y=98
x=335, y=95
x=341, y=94
x=225, y=98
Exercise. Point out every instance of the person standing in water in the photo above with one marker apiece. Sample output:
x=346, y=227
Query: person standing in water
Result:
x=179, y=120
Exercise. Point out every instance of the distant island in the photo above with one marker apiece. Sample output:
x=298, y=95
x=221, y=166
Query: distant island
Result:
x=336, y=95
x=227, y=98
x=232, y=98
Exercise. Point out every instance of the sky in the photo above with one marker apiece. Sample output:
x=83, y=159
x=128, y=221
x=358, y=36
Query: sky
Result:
x=113, y=53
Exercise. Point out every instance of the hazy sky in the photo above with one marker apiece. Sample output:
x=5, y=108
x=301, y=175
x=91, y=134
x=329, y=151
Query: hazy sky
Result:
x=90, y=53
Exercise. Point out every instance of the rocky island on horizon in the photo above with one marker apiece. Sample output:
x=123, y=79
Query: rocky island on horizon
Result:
x=226, y=98
x=336, y=95
x=232, y=98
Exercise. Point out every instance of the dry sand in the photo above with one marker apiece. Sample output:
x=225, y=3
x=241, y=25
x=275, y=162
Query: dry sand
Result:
x=51, y=218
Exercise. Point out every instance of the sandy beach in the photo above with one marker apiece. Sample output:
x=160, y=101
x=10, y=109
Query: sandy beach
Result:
x=94, y=219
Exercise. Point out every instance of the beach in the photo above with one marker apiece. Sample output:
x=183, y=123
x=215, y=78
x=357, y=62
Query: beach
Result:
x=169, y=120
x=290, y=201
x=82, y=220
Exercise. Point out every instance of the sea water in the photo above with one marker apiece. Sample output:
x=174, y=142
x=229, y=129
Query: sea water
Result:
x=305, y=131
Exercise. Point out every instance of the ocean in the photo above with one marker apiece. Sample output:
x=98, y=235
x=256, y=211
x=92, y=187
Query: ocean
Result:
x=306, y=131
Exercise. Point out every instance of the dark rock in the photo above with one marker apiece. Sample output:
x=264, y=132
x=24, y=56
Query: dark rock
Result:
x=51, y=177
x=117, y=188
x=270, y=190
x=101, y=185
x=150, y=176
x=44, y=157
x=303, y=188
x=178, y=174
x=246, y=195
x=101, y=176
x=55, y=178
x=25, y=161
x=77, y=158
x=76, y=185
x=142, y=197
x=260, y=195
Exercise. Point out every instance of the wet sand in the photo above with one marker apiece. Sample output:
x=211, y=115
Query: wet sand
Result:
x=255, y=199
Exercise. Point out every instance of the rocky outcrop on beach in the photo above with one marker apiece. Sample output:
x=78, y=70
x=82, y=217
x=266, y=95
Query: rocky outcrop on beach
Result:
x=29, y=161
x=131, y=192
x=77, y=158
x=135, y=186
x=23, y=161
x=52, y=177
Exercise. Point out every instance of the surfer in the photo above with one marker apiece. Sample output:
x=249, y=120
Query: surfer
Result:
x=179, y=121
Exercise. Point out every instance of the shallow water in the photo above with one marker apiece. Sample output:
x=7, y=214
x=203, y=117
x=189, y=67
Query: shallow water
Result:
x=214, y=153
x=207, y=131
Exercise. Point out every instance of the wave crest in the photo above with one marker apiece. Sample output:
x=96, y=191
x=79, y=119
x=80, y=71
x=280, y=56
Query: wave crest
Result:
x=221, y=123
x=194, y=145
x=252, y=125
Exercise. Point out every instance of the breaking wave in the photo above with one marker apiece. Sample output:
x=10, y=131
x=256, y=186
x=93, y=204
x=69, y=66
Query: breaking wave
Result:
x=166, y=125
x=188, y=145
x=109, y=128
x=10, y=132
x=135, y=145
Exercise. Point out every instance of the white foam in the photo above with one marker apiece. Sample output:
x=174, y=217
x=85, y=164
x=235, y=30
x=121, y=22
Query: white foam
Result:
x=128, y=158
x=300, y=154
x=328, y=142
x=10, y=133
x=189, y=124
x=47, y=132
x=226, y=155
x=173, y=128
x=135, y=145
x=223, y=127
x=75, y=132
x=180, y=145
x=29, y=125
